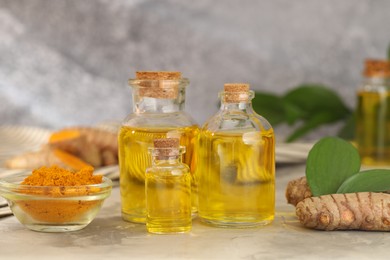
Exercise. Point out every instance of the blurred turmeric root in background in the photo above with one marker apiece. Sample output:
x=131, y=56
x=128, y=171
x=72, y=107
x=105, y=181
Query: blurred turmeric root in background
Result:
x=72, y=148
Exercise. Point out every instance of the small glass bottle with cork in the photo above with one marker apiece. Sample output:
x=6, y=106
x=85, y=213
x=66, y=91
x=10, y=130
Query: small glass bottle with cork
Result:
x=168, y=189
x=158, y=112
x=236, y=163
x=373, y=114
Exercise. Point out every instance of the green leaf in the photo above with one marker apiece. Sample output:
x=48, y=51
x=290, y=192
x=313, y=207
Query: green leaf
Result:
x=313, y=98
x=269, y=106
x=316, y=105
x=377, y=180
x=347, y=132
x=311, y=123
x=388, y=52
x=293, y=112
x=329, y=163
x=312, y=105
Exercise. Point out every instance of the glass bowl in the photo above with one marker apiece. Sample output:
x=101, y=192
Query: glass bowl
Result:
x=54, y=208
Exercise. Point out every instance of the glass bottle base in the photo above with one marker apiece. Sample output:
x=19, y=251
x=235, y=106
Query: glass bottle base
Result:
x=133, y=218
x=174, y=230
x=169, y=226
x=237, y=222
x=142, y=220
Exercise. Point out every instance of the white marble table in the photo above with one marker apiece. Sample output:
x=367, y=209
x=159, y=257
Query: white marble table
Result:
x=108, y=237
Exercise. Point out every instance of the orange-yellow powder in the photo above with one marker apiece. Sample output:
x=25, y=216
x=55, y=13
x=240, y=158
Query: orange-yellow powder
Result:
x=56, y=176
x=66, y=184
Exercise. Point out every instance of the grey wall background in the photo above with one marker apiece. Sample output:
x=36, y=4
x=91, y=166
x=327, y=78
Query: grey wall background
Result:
x=67, y=62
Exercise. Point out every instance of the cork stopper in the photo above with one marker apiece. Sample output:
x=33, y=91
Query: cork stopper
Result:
x=158, y=75
x=159, y=84
x=236, y=87
x=167, y=147
x=236, y=92
x=377, y=68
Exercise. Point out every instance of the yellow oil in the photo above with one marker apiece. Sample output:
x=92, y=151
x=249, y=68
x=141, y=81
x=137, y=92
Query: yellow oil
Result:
x=168, y=201
x=373, y=127
x=236, y=178
x=134, y=159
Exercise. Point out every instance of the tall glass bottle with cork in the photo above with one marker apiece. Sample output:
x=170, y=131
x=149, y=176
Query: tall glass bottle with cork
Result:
x=158, y=112
x=236, y=163
x=373, y=114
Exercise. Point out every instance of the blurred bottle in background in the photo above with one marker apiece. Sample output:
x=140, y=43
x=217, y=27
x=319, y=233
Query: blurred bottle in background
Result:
x=373, y=114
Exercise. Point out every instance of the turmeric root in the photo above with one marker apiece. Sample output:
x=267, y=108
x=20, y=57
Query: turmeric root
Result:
x=297, y=190
x=101, y=138
x=46, y=157
x=352, y=211
x=109, y=158
x=88, y=145
x=72, y=141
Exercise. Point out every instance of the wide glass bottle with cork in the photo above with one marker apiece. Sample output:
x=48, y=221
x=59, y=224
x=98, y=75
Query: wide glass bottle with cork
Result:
x=158, y=112
x=168, y=189
x=373, y=114
x=236, y=163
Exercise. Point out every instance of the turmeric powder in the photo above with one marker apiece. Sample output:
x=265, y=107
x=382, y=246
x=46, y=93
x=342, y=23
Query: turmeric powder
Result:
x=56, y=176
x=63, y=184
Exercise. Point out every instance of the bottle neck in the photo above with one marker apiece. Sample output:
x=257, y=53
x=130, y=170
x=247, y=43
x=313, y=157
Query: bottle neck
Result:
x=242, y=106
x=172, y=160
x=158, y=96
x=380, y=81
x=237, y=101
x=166, y=156
x=156, y=105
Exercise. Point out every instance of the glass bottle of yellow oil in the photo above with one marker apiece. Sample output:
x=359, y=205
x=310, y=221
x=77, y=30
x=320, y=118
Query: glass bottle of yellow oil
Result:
x=373, y=114
x=236, y=164
x=158, y=112
x=168, y=189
